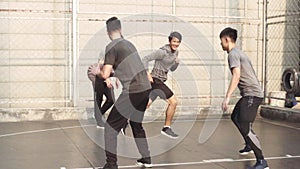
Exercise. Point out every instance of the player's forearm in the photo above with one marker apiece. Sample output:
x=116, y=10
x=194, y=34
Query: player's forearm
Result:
x=106, y=71
x=233, y=85
x=174, y=67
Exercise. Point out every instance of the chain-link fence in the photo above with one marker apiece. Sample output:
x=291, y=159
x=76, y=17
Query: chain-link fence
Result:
x=283, y=42
x=202, y=76
x=35, y=54
x=43, y=66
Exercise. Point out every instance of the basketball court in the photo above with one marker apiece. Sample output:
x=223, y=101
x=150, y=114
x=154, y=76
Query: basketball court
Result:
x=66, y=145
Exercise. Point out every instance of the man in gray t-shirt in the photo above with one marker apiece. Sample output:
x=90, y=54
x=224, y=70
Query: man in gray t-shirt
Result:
x=245, y=111
x=127, y=65
x=165, y=60
x=122, y=56
x=248, y=84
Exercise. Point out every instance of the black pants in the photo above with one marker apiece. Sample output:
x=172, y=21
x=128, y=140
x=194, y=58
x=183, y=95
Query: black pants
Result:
x=128, y=106
x=100, y=90
x=243, y=116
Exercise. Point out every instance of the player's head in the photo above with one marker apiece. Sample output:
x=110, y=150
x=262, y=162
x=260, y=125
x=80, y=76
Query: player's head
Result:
x=175, y=40
x=229, y=32
x=228, y=36
x=113, y=25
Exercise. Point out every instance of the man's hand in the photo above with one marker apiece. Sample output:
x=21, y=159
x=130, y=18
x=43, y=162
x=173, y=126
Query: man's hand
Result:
x=225, y=104
x=150, y=77
x=108, y=83
x=93, y=70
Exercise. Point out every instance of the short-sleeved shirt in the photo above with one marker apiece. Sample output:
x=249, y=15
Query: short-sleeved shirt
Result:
x=127, y=64
x=248, y=84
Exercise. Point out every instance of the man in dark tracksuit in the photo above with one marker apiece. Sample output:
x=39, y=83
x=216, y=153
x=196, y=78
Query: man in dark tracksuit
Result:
x=121, y=55
x=100, y=88
x=243, y=77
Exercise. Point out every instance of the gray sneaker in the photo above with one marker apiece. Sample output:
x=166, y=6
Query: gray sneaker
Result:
x=167, y=131
x=110, y=166
x=260, y=164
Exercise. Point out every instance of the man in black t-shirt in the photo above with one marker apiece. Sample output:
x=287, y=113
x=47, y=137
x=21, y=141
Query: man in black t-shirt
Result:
x=121, y=55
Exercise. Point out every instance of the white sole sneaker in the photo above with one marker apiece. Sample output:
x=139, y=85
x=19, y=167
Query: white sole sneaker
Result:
x=123, y=132
x=144, y=165
x=246, y=153
x=264, y=168
x=165, y=134
x=100, y=127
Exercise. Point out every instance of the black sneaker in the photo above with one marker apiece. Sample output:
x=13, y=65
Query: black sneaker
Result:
x=100, y=126
x=247, y=150
x=167, y=131
x=110, y=166
x=123, y=130
x=260, y=164
x=144, y=162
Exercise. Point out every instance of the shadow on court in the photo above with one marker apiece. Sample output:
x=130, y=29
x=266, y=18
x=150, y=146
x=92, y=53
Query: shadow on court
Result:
x=65, y=144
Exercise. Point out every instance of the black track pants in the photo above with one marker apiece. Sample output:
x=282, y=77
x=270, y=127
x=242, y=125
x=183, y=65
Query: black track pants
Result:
x=243, y=116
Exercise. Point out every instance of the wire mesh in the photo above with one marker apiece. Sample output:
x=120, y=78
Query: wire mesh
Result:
x=36, y=47
x=283, y=43
x=34, y=54
x=208, y=18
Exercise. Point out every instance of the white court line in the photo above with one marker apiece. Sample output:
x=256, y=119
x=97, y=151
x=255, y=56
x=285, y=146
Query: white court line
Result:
x=81, y=126
x=158, y=165
x=60, y=128
x=45, y=130
x=211, y=161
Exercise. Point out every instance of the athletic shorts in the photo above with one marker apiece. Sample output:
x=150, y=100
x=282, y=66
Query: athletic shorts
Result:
x=160, y=89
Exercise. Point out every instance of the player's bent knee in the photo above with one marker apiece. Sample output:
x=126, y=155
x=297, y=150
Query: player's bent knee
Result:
x=245, y=130
x=110, y=102
x=173, y=101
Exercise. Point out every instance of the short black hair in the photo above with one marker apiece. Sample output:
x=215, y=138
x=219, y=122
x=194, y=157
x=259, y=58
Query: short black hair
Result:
x=230, y=32
x=176, y=35
x=113, y=24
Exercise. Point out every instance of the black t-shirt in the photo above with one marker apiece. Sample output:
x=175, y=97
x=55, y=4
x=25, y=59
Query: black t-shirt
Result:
x=127, y=64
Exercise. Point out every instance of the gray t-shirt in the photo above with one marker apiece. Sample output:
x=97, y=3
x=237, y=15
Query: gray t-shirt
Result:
x=127, y=65
x=248, y=84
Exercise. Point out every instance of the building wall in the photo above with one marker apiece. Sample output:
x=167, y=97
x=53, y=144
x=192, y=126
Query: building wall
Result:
x=200, y=53
x=36, y=46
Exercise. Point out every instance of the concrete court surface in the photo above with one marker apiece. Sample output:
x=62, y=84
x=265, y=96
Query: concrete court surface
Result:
x=66, y=145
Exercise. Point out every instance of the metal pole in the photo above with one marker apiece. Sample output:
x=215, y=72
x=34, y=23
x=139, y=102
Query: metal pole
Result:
x=265, y=43
x=74, y=51
x=173, y=27
x=173, y=7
